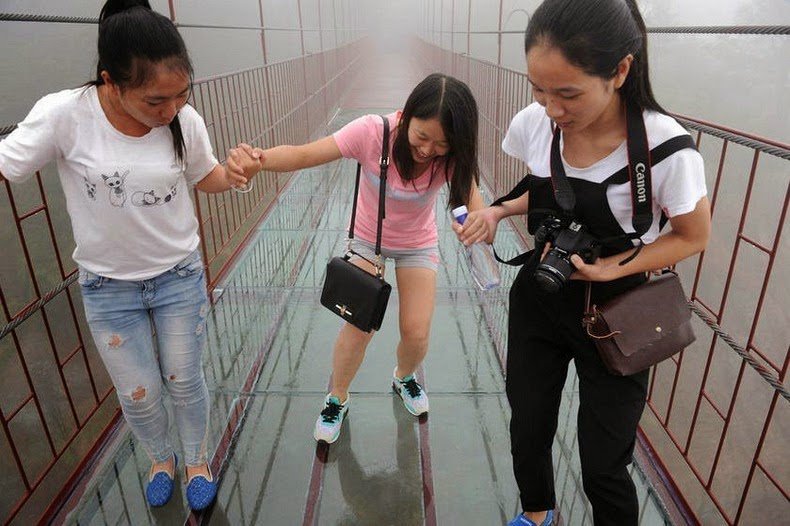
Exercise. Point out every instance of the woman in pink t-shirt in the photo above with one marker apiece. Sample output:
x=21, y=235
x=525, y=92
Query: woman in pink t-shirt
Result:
x=433, y=143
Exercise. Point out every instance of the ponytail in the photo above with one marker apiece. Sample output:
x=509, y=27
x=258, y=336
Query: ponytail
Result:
x=637, y=89
x=113, y=7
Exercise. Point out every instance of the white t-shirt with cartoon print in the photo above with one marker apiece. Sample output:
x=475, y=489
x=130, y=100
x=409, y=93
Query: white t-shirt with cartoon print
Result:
x=678, y=181
x=127, y=197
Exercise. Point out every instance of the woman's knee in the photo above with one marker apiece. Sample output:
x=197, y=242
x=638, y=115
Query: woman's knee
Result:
x=415, y=336
x=604, y=461
x=184, y=387
x=139, y=399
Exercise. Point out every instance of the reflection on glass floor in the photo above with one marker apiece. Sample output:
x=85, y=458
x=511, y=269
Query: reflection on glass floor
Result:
x=268, y=365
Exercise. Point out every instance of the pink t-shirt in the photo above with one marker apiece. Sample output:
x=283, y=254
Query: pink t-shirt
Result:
x=410, y=220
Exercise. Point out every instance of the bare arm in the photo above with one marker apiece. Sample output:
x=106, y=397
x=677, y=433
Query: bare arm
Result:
x=288, y=158
x=216, y=181
x=475, y=201
x=475, y=227
x=483, y=221
x=517, y=206
x=689, y=236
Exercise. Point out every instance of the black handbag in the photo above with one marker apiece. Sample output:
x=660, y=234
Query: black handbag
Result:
x=642, y=326
x=354, y=294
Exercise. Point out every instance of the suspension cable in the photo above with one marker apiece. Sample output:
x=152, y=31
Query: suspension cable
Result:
x=743, y=353
x=722, y=30
x=31, y=309
x=686, y=30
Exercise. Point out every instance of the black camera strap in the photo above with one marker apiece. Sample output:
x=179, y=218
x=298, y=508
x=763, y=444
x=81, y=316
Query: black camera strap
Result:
x=638, y=173
x=563, y=193
x=384, y=162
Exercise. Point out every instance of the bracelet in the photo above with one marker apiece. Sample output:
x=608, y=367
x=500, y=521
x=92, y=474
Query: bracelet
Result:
x=247, y=188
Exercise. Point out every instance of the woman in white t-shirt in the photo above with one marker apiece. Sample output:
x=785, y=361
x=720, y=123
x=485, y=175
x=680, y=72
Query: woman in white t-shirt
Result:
x=433, y=143
x=587, y=65
x=128, y=148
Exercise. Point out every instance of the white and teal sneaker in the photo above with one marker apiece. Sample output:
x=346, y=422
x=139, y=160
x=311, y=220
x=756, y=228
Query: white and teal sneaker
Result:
x=413, y=395
x=327, y=427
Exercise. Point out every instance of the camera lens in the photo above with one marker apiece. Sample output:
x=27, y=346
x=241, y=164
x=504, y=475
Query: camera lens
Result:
x=548, y=281
x=555, y=269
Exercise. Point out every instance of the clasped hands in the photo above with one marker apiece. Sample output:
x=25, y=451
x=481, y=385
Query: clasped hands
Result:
x=243, y=162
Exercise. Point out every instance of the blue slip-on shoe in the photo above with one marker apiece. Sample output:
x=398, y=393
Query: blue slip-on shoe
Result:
x=201, y=491
x=521, y=520
x=160, y=486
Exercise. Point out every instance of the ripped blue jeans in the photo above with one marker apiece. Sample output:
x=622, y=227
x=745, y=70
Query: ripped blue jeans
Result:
x=150, y=335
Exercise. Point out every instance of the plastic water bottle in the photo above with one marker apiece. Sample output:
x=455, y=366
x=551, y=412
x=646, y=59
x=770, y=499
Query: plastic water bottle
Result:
x=482, y=263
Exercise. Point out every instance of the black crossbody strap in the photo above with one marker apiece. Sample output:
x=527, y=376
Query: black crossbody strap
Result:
x=354, y=204
x=384, y=162
x=521, y=188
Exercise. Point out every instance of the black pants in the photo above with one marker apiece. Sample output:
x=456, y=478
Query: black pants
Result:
x=544, y=334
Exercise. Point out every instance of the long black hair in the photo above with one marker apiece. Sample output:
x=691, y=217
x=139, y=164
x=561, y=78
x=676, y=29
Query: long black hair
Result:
x=451, y=102
x=132, y=40
x=595, y=35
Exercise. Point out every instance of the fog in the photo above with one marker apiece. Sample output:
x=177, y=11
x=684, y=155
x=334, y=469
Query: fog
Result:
x=740, y=81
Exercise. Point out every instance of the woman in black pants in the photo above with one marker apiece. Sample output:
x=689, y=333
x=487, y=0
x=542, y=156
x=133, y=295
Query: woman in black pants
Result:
x=587, y=65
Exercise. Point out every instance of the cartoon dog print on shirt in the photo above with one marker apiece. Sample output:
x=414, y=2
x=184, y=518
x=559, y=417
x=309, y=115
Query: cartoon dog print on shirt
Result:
x=115, y=183
x=149, y=197
x=171, y=194
x=90, y=188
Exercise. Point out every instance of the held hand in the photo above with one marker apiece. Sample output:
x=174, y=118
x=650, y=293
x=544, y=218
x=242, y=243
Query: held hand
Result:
x=546, y=248
x=598, y=270
x=260, y=153
x=252, y=159
x=254, y=152
x=479, y=225
x=242, y=163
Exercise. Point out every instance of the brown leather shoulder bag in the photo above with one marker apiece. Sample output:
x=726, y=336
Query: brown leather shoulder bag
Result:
x=642, y=326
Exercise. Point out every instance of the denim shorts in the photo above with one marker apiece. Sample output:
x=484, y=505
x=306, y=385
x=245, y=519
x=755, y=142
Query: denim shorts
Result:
x=404, y=258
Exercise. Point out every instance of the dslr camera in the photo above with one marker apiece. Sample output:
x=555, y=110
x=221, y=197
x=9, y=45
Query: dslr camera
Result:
x=567, y=239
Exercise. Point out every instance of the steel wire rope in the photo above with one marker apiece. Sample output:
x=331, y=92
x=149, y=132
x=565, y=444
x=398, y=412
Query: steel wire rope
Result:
x=743, y=353
x=28, y=311
x=778, y=151
x=722, y=30
x=57, y=19
x=681, y=30
x=25, y=17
